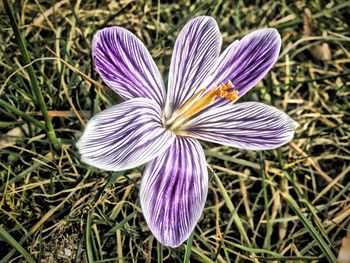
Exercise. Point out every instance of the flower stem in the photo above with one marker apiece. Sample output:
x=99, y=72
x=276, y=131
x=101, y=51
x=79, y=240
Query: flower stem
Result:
x=34, y=82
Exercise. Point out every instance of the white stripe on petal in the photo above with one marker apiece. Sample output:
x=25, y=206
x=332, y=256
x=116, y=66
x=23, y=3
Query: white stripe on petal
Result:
x=173, y=191
x=245, y=62
x=247, y=125
x=124, y=136
x=126, y=66
x=196, y=50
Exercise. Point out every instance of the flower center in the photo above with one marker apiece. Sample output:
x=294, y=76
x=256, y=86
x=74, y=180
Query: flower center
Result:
x=198, y=102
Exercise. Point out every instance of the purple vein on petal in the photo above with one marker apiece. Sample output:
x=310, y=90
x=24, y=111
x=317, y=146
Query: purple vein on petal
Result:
x=173, y=191
x=196, y=50
x=126, y=66
x=247, y=61
x=125, y=136
x=247, y=125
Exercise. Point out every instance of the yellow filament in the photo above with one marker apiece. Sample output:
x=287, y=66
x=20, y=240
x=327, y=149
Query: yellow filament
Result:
x=207, y=99
x=188, y=103
x=192, y=107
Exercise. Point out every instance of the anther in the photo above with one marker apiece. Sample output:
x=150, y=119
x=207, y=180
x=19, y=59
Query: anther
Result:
x=199, y=101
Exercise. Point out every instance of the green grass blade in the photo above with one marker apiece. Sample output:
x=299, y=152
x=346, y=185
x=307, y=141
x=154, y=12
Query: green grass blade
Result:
x=12, y=242
x=313, y=232
x=159, y=252
x=199, y=256
x=34, y=82
x=88, y=239
x=5, y=124
x=20, y=113
x=232, y=159
x=112, y=231
x=267, y=240
x=253, y=250
x=232, y=209
x=188, y=248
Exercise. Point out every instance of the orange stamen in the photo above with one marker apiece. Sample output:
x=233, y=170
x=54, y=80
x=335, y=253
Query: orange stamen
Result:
x=195, y=105
x=207, y=99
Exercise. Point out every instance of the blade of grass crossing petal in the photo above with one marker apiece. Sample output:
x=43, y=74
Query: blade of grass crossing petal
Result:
x=313, y=232
x=88, y=238
x=12, y=242
x=199, y=253
x=159, y=252
x=34, y=82
x=188, y=248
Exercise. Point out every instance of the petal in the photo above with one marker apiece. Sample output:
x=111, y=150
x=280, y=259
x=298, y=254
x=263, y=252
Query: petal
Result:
x=247, y=61
x=248, y=125
x=126, y=66
x=196, y=50
x=124, y=136
x=173, y=191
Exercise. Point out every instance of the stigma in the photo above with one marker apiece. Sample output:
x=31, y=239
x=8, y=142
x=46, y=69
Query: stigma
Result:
x=200, y=101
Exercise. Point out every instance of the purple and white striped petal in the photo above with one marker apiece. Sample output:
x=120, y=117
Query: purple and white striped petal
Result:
x=173, y=191
x=126, y=66
x=124, y=136
x=196, y=50
x=247, y=125
x=247, y=61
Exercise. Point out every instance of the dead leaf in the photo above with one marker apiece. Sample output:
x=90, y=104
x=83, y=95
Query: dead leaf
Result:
x=321, y=51
x=12, y=136
x=308, y=23
x=344, y=252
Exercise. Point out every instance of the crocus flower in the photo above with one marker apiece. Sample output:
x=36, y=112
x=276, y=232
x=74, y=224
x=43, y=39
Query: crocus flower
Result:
x=163, y=127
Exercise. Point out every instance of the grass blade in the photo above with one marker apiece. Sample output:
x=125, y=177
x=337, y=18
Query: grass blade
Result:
x=159, y=252
x=88, y=238
x=12, y=242
x=20, y=113
x=232, y=209
x=313, y=232
x=34, y=82
x=188, y=248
